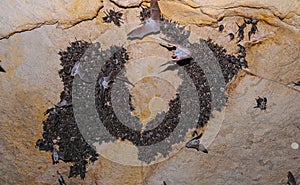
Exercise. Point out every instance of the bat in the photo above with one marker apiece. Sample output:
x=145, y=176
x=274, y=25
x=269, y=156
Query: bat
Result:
x=195, y=143
x=55, y=156
x=76, y=70
x=297, y=83
x=104, y=81
x=180, y=53
x=151, y=25
x=1, y=69
x=291, y=179
x=60, y=179
x=170, y=68
x=261, y=103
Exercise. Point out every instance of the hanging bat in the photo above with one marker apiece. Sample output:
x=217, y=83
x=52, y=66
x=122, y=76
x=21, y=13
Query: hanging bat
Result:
x=291, y=179
x=151, y=25
x=76, y=70
x=60, y=179
x=55, y=156
x=106, y=80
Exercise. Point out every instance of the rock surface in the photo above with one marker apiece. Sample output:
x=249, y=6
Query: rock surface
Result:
x=18, y=16
x=252, y=147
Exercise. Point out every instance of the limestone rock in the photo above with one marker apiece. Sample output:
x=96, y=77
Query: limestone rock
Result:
x=128, y=3
x=252, y=146
x=20, y=16
x=249, y=139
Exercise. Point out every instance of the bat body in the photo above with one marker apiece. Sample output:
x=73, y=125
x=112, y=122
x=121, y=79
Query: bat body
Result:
x=297, y=83
x=104, y=81
x=60, y=179
x=181, y=55
x=261, y=103
x=291, y=179
x=180, y=52
x=151, y=25
x=55, y=156
x=195, y=143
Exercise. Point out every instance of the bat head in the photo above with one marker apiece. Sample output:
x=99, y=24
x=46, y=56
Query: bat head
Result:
x=194, y=143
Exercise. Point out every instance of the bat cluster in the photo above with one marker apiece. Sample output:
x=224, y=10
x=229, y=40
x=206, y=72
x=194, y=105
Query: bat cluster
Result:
x=71, y=146
x=118, y=129
x=61, y=136
x=241, y=29
x=150, y=17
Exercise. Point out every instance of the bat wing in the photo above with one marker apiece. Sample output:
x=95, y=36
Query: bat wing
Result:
x=2, y=70
x=149, y=27
x=202, y=148
x=171, y=68
x=154, y=10
x=166, y=63
x=291, y=179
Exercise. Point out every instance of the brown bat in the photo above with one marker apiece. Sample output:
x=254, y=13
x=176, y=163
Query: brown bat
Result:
x=150, y=25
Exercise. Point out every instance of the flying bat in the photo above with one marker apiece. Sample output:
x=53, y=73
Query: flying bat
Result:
x=195, y=143
x=60, y=179
x=180, y=53
x=76, y=70
x=150, y=25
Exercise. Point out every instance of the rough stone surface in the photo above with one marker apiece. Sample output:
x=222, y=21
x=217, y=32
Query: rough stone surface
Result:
x=252, y=147
x=18, y=16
